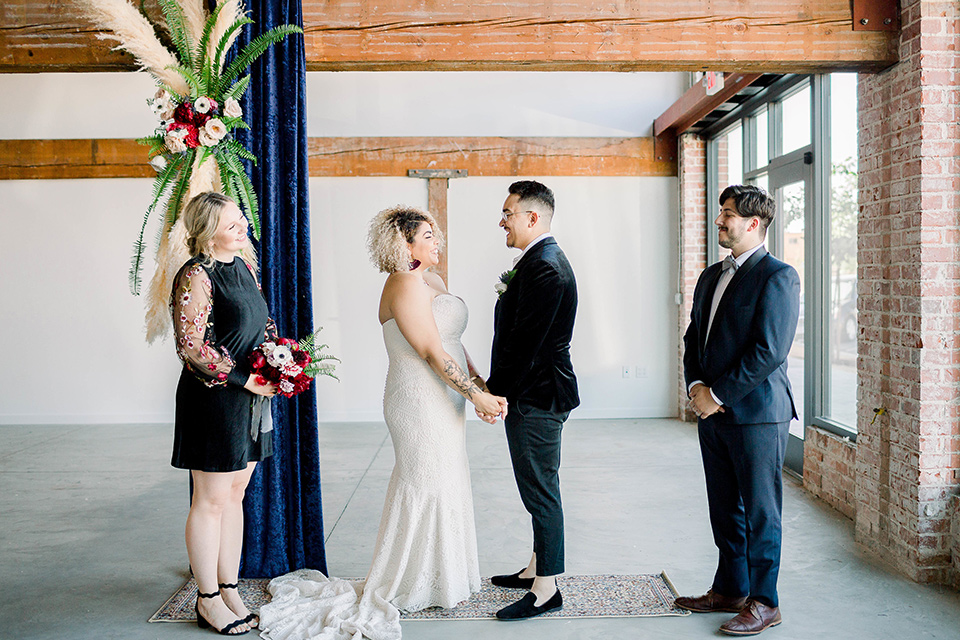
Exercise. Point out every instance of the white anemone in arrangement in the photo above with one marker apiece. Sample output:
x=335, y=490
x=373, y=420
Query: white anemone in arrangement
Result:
x=280, y=356
x=202, y=104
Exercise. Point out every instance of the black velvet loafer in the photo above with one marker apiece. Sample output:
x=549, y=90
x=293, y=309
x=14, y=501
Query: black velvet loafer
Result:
x=512, y=581
x=525, y=607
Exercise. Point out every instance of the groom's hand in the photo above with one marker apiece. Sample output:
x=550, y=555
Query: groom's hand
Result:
x=702, y=402
x=486, y=418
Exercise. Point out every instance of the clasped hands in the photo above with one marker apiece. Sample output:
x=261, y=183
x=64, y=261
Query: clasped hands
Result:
x=702, y=402
x=486, y=410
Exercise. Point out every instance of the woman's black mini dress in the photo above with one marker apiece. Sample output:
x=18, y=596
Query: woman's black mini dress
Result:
x=219, y=318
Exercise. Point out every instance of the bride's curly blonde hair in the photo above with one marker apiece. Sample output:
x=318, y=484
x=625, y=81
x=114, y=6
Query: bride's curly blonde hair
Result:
x=391, y=231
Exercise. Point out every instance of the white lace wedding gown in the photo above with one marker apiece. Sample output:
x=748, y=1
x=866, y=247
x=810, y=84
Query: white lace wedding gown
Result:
x=426, y=551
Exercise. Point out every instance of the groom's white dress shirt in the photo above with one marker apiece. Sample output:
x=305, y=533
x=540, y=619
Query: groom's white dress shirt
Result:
x=725, y=277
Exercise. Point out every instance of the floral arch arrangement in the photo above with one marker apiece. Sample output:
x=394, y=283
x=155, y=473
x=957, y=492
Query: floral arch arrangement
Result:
x=198, y=102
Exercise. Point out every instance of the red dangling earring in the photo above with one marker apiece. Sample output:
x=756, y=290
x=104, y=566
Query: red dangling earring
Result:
x=414, y=264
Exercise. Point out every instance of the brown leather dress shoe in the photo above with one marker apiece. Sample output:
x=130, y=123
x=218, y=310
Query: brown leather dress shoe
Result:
x=754, y=618
x=711, y=601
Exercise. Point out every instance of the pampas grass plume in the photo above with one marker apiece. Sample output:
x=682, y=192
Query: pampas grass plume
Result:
x=231, y=12
x=136, y=36
x=194, y=16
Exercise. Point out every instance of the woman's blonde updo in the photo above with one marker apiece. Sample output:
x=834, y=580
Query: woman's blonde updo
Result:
x=201, y=217
x=391, y=231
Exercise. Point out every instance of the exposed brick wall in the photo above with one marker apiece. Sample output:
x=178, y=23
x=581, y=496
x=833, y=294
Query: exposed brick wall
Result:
x=829, y=462
x=908, y=461
x=693, y=235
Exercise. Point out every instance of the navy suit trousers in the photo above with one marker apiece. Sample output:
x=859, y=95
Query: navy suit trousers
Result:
x=743, y=466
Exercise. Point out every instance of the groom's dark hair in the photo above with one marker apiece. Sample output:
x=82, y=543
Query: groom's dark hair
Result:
x=750, y=202
x=533, y=191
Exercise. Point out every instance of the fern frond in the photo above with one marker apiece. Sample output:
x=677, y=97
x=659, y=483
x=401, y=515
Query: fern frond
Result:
x=226, y=40
x=248, y=196
x=238, y=88
x=177, y=28
x=160, y=185
x=192, y=80
x=200, y=55
x=320, y=361
x=179, y=190
x=234, y=147
x=254, y=50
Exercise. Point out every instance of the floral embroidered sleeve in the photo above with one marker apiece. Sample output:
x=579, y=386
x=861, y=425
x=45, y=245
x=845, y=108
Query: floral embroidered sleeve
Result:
x=192, y=307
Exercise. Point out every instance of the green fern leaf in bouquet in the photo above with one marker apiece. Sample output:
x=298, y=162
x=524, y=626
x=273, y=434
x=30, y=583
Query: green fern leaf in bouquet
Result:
x=321, y=362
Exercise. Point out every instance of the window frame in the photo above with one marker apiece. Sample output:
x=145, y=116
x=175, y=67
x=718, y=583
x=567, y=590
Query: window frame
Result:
x=817, y=225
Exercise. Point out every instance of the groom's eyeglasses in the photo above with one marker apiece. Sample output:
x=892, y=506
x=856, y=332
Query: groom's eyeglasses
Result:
x=504, y=215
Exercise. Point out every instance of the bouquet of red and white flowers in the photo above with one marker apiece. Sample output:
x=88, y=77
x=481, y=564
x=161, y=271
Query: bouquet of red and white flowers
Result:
x=291, y=365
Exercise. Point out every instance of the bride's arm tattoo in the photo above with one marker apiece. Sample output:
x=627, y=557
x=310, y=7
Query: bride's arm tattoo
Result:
x=460, y=379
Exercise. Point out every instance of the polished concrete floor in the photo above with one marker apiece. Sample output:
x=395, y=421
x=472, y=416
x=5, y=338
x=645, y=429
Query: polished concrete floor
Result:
x=91, y=522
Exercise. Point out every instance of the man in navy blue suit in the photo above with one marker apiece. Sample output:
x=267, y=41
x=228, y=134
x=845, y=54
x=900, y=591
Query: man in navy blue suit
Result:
x=742, y=325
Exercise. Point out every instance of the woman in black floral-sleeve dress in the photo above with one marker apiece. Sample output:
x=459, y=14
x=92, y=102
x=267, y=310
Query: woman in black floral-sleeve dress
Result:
x=222, y=424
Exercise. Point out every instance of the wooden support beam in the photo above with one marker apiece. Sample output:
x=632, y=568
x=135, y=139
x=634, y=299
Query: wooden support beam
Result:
x=488, y=156
x=437, y=205
x=342, y=157
x=56, y=159
x=694, y=104
x=772, y=36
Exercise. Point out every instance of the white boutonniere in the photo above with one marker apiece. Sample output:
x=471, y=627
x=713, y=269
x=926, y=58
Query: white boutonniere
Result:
x=505, y=279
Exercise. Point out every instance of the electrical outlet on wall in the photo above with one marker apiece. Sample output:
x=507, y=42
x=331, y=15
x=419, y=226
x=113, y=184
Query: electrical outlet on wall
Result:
x=641, y=372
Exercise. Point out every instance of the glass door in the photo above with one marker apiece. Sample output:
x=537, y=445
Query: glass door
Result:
x=790, y=180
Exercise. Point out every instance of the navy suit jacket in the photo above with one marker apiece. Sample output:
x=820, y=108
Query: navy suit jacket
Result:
x=532, y=328
x=744, y=361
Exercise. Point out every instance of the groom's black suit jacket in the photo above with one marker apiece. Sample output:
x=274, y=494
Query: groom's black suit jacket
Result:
x=533, y=325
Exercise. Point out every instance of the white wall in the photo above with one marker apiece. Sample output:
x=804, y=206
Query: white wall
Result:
x=72, y=333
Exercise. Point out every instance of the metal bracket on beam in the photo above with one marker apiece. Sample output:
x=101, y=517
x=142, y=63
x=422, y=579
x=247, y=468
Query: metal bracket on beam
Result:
x=665, y=146
x=876, y=15
x=436, y=173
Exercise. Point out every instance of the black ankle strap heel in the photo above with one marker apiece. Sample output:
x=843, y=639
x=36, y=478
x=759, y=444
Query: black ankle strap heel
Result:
x=252, y=619
x=203, y=623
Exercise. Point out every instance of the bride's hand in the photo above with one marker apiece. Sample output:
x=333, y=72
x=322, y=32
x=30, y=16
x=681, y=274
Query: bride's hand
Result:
x=490, y=405
x=267, y=390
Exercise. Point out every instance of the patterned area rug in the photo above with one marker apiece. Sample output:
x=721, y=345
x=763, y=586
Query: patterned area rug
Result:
x=583, y=597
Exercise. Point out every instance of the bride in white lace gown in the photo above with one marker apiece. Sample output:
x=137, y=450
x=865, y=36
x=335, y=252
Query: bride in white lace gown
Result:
x=426, y=550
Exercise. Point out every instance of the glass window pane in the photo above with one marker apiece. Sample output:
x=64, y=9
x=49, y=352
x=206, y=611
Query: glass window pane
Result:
x=796, y=120
x=763, y=144
x=792, y=205
x=843, y=250
x=730, y=158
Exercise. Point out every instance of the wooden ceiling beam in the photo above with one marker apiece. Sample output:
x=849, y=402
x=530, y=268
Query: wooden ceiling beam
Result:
x=772, y=36
x=361, y=157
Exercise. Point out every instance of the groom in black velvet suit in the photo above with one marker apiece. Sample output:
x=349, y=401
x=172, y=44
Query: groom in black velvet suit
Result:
x=742, y=326
x=531, y=367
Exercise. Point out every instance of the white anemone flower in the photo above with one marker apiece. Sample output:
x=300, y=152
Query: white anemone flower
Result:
x=280, y=356
x=202, y=104
x=159, y=163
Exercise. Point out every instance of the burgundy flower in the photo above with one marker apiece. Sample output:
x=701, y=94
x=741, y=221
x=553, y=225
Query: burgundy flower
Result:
x=184, y=113
x=192, y=139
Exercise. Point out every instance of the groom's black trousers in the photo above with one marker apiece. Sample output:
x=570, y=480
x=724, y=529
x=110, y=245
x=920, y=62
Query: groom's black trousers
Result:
x=533, y=436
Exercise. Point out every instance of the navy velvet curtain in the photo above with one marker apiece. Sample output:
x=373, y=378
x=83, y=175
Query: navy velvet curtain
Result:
x=283, y=520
